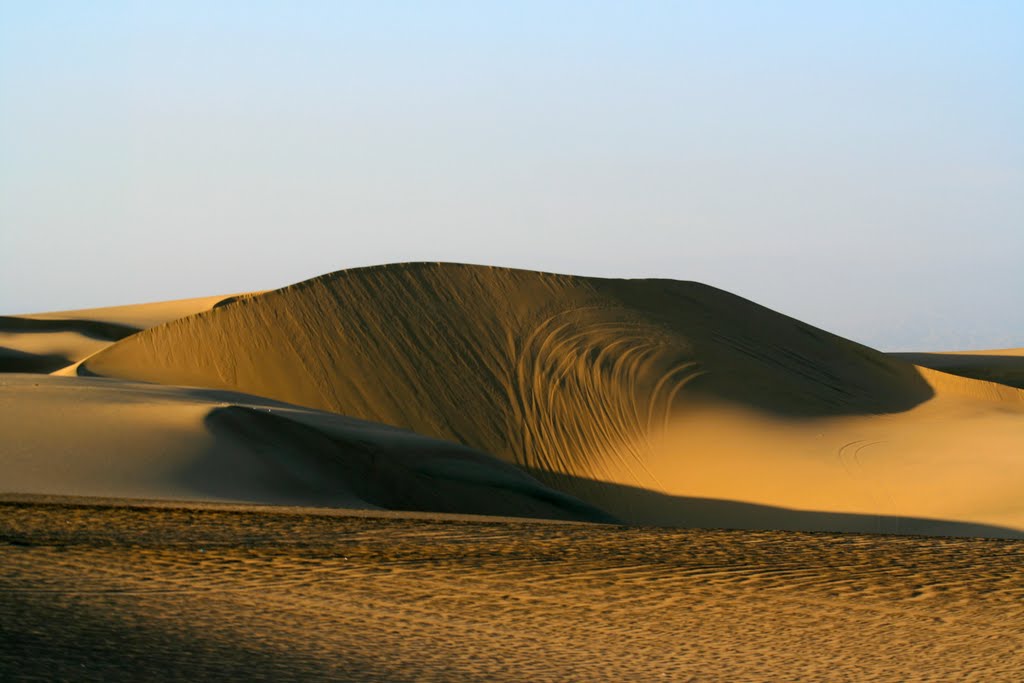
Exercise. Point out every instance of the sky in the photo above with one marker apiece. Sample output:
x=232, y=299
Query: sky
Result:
x=858, y=165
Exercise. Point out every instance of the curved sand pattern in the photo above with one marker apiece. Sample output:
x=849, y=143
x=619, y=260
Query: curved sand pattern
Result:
x=617, y=390
x=50, y=342
x=94, y=437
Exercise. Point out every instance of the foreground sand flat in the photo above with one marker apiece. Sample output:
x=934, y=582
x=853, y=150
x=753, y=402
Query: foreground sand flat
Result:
x=123, y=593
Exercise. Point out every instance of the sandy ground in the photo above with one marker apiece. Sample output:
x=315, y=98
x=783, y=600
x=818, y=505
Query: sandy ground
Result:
x=121, y=593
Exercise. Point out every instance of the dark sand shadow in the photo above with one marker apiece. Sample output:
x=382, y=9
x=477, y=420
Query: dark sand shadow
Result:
x=636, y=506
x=294, y=463
x=754, y=356
x=93, y=329
x=13, y=360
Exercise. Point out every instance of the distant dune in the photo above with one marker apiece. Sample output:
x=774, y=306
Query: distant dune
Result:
x=48, y=342
x=1005, y=366
x=94, y=437
x=658, y=401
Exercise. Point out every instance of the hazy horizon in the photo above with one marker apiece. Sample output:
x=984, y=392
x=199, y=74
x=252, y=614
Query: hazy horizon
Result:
x=857, y=166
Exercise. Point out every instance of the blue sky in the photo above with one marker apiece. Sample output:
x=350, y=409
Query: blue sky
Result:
x=858, y=165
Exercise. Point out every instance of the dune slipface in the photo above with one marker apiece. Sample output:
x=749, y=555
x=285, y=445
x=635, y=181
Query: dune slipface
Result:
x=644, y=397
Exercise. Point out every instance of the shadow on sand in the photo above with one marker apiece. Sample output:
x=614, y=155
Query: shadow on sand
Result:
x=639, y=506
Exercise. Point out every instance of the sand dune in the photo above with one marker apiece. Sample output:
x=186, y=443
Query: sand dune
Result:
x=49, y=342
x=670, y=388
x=94, y=437
x=130, y=593
x=1005, y=366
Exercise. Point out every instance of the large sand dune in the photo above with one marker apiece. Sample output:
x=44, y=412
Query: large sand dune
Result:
x=94, y=437
x=659, y=401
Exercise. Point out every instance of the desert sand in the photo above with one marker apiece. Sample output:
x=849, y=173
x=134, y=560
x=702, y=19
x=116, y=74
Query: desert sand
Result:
x=1005, y=366
x=264, y=485
x=49, y=342
x=199, y=593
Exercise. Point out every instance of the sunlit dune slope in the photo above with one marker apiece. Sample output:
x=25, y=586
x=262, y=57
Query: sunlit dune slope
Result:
x=1005, y=366
x=95, y=437
x=48, y=342
x=669, y=388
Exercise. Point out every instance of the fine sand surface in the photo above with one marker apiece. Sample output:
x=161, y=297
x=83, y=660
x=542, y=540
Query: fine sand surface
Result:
x=1005, y=366
x=47, y=342
x=660, y=402
x=93, y=437
x=121, y=593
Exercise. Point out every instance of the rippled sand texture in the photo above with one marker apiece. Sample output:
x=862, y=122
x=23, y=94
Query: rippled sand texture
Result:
x=644, y=397
x=115, y=593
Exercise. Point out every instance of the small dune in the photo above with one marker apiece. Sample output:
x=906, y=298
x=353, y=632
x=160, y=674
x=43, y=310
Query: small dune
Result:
x=95, y=437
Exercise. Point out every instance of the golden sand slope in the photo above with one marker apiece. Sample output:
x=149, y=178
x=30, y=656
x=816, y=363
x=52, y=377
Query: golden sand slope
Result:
x=660, y=401
x=48, y=342
x=94, y=437
x=1005, y=366
x=92, y=593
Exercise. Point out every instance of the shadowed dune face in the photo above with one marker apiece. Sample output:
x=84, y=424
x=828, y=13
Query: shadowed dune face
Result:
x=547, y=371
x=125, y=440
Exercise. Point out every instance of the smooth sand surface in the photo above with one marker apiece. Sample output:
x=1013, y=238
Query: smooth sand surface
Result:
x=49, y=342
x=111, y=594
x=95, y=437
x=1005, y=366
x=659, y=401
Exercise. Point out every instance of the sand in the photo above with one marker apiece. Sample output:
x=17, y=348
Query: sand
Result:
x=49, y=342
x=661, y=402
x=121, y=593
x=1005, y=366
x=448, y=472
x=96, y=437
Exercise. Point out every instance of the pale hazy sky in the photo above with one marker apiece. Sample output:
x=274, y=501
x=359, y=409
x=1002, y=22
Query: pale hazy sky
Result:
x=858, y=165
